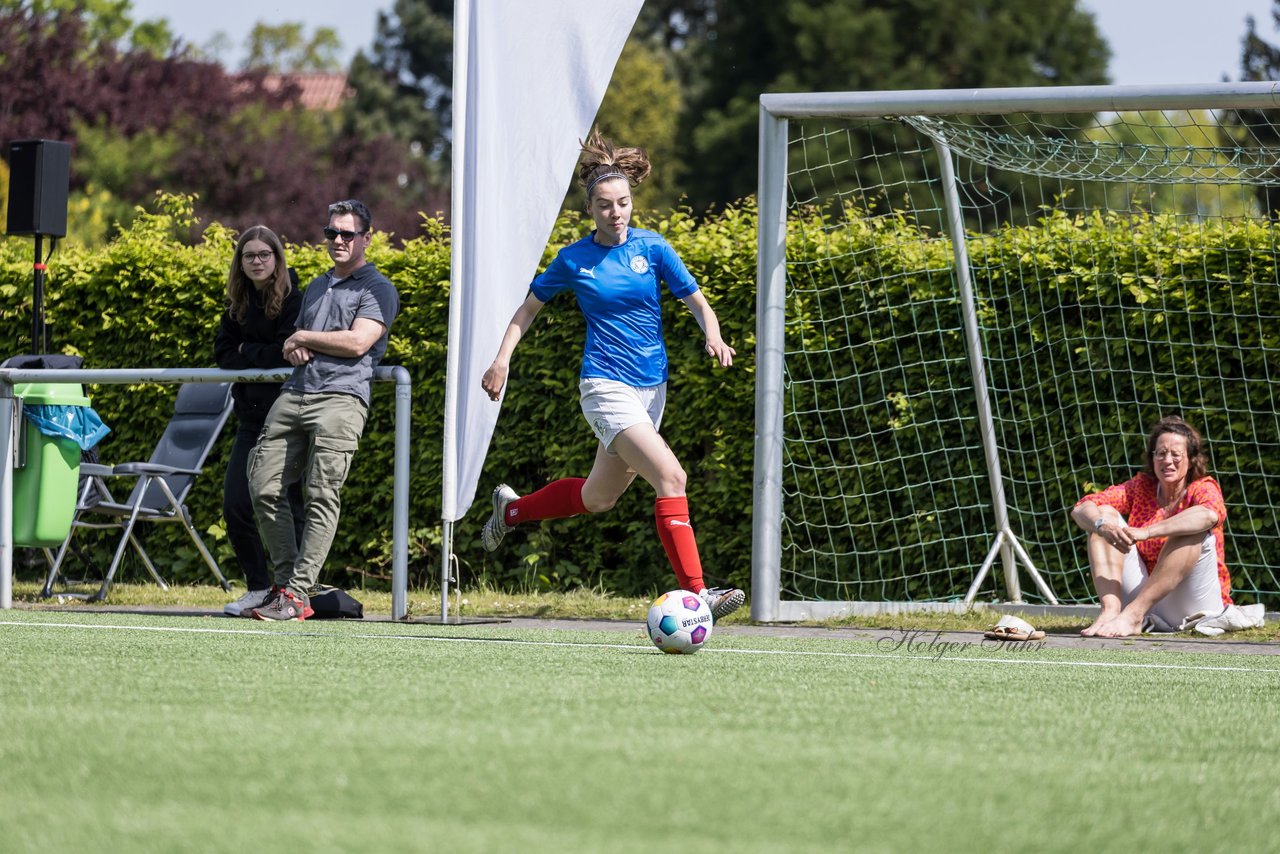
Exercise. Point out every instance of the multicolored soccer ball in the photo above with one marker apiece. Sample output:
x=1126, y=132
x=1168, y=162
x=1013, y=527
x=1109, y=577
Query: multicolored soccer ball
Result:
x=679, y=622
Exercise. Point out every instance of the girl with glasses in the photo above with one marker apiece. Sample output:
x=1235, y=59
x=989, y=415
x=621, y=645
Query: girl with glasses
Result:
x=262, y=311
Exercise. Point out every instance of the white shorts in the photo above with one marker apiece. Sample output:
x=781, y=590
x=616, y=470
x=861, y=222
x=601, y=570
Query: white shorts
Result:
x=1199, y=593
x=611, y=407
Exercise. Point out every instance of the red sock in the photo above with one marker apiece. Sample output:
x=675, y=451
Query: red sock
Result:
x=672, y=515
x=559, y=499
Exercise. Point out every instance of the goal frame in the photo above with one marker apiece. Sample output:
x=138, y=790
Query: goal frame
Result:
x=776, y=111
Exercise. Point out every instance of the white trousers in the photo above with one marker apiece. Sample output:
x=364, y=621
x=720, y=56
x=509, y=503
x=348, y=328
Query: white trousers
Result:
x=1199, y=593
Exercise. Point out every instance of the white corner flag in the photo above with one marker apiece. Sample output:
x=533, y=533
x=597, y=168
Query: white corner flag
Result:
x=528, y=78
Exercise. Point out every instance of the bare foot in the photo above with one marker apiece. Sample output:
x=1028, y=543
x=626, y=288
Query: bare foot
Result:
x=1103, y=618
x=1123, y=626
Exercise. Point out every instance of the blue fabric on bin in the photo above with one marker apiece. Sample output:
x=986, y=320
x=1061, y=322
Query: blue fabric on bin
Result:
x=80, y=424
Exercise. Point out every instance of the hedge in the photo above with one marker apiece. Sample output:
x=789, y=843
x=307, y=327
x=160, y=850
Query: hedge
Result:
x=150, y=300
x=1093, y=326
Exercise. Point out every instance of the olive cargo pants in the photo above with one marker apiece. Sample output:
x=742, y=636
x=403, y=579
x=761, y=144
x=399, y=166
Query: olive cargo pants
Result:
x=312, y=438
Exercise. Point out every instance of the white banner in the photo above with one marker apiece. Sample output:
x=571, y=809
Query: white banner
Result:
x=528, y=78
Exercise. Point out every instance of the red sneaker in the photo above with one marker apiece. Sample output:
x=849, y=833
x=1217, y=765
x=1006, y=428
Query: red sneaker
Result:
x=285, y=606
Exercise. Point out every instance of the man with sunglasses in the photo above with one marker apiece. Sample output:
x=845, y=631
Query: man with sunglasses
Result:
x=313, y=428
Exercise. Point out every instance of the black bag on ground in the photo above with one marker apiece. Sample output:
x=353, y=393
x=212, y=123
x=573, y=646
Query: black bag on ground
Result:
x=330, y=603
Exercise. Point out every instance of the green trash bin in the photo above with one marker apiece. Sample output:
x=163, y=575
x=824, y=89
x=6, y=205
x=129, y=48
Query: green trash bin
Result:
x=44, y=488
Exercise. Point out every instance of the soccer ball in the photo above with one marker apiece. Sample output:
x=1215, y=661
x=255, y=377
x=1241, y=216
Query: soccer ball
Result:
x=679, y=622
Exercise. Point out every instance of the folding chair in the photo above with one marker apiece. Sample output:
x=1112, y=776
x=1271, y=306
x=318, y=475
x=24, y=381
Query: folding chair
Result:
x=162, y=486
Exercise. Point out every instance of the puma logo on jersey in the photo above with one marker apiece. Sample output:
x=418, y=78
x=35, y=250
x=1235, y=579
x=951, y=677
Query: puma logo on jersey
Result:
x=588, y=271
x=674, y=522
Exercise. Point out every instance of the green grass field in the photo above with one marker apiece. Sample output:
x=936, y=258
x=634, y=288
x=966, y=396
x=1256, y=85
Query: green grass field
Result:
x=141, y=733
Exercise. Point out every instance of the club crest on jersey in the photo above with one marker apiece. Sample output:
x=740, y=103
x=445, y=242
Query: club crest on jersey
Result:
x=640, y=264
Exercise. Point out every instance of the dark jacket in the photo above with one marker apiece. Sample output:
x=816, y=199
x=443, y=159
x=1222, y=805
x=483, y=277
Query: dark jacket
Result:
x=263, y=339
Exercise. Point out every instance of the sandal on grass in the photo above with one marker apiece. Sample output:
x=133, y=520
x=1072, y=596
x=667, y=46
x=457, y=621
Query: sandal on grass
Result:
x=1011, y=628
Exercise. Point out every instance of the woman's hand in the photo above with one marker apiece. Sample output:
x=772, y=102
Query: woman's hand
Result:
x=1194, y=520
x=1124, y=537
x=710, y=326
x=1120, y=537
x=494, y=379
x=1137, y=535
x=720, y=351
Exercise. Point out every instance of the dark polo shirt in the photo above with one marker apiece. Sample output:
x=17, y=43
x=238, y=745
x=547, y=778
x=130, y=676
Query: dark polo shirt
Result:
x=329, y=306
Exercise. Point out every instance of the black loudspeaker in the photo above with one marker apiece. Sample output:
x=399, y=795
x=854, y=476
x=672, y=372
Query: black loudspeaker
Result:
x=39, y=176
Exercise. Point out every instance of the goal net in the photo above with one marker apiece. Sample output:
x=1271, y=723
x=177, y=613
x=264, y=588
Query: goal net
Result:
x=973, y=305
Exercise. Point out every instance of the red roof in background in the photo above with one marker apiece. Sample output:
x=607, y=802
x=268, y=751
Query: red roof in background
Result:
x=317, y=90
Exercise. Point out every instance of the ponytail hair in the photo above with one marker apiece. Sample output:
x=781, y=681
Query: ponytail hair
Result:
x=601, y=160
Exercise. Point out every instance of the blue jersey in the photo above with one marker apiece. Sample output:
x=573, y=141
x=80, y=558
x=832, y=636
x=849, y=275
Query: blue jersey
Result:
x=618, y=289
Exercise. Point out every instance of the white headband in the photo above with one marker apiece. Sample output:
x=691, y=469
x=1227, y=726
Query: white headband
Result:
x=606, y=175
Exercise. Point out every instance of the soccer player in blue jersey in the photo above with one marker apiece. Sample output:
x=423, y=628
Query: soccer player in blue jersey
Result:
x=616, y=273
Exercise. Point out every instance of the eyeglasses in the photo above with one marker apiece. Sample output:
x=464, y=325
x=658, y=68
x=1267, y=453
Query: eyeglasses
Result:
x=1172, y=456
x=263, y=256
x=347, y=236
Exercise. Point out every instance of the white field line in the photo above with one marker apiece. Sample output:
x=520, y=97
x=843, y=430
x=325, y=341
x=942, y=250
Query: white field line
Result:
x=933, y=655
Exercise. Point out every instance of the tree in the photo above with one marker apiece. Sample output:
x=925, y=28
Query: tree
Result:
x=405, y=87
x=54, y=78
x=851, y=45
x=640, y=108
x=724, y=55
x=1259, y=60
x=106, y=22
x=403, y=99
x=285, y=48
x=676, y=24
x=247, y=152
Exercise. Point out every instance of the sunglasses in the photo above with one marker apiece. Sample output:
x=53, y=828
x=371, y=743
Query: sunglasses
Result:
x=347, y=236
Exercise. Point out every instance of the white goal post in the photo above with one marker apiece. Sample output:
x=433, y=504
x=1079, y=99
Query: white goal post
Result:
x=971, y=307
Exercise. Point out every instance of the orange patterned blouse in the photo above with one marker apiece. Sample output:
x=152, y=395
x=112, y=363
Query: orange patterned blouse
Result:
x=1136, y=500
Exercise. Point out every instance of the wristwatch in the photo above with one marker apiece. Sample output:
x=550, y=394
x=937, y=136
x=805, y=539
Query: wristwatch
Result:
x=1097, y=524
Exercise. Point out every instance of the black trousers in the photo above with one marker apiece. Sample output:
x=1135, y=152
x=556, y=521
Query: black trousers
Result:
x=237, y=509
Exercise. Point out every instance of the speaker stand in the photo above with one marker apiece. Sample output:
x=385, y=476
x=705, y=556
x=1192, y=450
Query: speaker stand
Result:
x=37, y=300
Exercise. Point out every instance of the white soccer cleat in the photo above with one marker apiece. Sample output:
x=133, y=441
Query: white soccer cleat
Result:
x=496, y=528
x=723, y=601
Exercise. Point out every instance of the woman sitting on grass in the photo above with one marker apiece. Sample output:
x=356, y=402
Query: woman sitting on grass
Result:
x=1156, y=545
